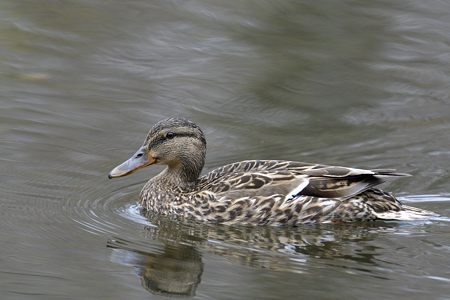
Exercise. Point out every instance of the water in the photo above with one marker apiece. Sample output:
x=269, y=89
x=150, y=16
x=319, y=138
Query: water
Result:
x=350, y=83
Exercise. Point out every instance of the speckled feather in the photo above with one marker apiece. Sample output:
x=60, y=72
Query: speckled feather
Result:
x=254, y=192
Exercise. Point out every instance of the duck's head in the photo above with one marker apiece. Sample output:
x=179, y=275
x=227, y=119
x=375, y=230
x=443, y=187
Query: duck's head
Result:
x=178, y=143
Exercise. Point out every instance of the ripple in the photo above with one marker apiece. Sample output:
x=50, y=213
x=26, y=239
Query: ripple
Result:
x=111, y=213
x=425, y=198
x=133, y=213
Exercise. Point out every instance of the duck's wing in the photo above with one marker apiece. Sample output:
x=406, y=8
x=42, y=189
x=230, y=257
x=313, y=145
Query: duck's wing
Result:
x=291, y=179
x=344, y=182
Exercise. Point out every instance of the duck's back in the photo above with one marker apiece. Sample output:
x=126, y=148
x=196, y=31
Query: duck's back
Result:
x=291, y=178
x=287, y=192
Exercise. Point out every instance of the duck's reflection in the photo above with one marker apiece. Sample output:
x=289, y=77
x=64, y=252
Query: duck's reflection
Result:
x=174, y=271
x=176, y=267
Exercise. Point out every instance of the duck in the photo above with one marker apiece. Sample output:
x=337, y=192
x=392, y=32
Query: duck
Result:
x=256, y=192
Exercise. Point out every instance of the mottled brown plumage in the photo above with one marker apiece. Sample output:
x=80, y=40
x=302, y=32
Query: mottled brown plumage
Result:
x=256, y=191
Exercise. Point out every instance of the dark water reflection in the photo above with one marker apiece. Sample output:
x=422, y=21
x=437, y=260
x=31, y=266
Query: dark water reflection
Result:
x=353, y=83
x=176, y=267
x=177, y=270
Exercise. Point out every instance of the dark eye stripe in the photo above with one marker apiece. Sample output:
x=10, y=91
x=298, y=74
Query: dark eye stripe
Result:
x=162, y=139
x=170, y=135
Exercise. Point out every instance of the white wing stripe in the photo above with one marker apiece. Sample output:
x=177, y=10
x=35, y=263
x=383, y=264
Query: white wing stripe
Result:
x=291, y=195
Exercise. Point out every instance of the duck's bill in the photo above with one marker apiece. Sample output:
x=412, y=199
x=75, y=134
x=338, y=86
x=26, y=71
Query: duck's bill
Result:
x=139, y=160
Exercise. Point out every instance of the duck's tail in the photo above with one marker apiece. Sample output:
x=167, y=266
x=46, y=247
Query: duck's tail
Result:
x=407, y=213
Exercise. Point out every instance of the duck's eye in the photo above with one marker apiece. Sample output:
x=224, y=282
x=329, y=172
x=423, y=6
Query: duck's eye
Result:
x=170, y=135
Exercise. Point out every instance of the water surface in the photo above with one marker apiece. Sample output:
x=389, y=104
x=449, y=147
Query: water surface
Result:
x=349, y=83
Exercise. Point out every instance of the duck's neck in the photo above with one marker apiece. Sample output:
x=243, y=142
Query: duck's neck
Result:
x=180, y=178
x=184, y=173
x=163, y=192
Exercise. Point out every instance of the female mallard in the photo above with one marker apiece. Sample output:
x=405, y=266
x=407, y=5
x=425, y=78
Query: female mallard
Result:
x=255, y=191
